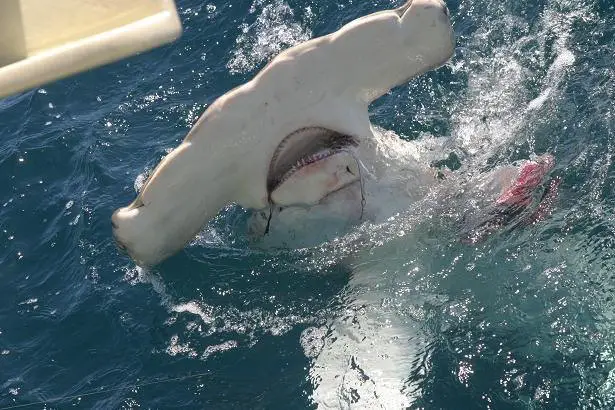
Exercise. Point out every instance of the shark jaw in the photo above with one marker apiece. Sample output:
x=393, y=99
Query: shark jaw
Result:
x=310, y=164
x=229, y=156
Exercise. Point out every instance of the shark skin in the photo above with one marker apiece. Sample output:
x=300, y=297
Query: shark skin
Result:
x=326, y=82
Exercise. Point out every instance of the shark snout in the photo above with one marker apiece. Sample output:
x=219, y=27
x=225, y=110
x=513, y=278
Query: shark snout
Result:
x=115, y=225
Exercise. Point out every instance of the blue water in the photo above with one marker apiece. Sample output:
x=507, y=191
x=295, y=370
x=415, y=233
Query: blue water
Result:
x=524, y=320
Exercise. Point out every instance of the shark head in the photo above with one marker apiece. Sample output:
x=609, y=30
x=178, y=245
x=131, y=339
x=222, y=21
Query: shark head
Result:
x=295, y=119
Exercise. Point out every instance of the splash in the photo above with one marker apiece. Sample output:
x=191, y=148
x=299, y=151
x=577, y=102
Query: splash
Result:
x=274, y=30
x=500, y=103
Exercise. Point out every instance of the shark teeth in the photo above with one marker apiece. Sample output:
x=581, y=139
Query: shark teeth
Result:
x=301, y=148
x=305, y=161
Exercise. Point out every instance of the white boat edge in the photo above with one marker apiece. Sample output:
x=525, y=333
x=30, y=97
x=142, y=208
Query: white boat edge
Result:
x=148, y=24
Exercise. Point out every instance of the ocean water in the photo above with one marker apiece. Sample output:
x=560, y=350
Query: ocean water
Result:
x=523, y=320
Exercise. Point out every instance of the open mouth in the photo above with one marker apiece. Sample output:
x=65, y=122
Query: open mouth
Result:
x=301, y=149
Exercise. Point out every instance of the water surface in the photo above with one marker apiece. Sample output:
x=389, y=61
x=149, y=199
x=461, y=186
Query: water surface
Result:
x=524, y=320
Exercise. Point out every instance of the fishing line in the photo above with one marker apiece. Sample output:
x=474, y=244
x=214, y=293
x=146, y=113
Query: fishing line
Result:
x=271, y=205
x=91, y=393
x=359, y=165
x=363, y=201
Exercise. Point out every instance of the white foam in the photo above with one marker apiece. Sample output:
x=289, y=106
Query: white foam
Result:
x=498, y=105
x=141, y=179
x=313, y=340
x=195, y=309
x=554, y=78
x=222, y=347
x=274, y=30
x=175, y=348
